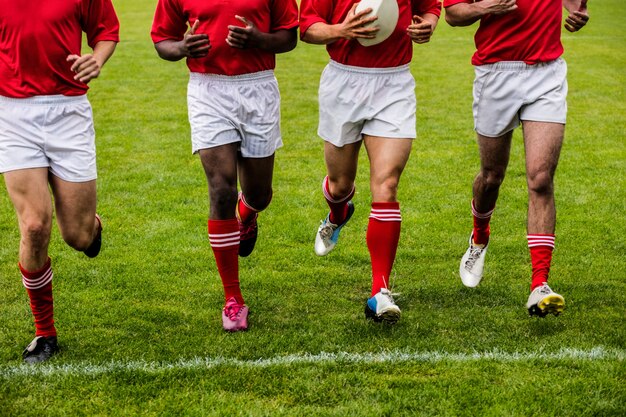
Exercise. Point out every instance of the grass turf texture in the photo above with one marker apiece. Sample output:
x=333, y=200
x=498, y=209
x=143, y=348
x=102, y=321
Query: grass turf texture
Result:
x=153, y=297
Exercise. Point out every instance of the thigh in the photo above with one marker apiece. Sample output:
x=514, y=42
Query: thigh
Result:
x=542, y=142
x=342, y=162
x=29, y=193
x=388, y=157
x=494, y=152
x=255, y=176
x=220, y=168
x=75, y=204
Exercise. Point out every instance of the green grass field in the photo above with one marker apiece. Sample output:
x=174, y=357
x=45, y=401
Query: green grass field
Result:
x=140, y=327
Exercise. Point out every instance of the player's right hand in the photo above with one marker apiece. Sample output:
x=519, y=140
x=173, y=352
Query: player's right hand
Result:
x=195, y=45
x=353, y=26
x=498, y=6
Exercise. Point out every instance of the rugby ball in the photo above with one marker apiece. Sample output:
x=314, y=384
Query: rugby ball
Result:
x=387, y=12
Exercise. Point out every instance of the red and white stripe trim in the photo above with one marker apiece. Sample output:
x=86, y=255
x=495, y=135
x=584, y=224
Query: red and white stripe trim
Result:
x=478, y=215
x=540, y=240
x=330, y=197
x=386, y=215
x=36, y=283
x=224, y=240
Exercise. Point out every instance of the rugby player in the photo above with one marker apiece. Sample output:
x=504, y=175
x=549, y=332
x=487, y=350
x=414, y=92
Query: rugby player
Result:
x=234, y=113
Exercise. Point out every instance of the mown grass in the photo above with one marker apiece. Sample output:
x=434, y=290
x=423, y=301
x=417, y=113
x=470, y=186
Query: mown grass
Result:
x=154, y=295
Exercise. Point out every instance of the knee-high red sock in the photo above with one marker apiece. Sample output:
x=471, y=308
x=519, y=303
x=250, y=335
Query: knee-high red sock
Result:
x=39, y=288
x=541, y=247
x=224, y=239
x=481, y=225
x=383, y=234
x=338, y=207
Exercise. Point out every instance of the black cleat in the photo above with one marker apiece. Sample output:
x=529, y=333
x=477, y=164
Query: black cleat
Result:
x=94, y=249
x=40, y=349
x=248, y=233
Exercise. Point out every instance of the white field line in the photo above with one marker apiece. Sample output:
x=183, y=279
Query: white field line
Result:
x=391, y=357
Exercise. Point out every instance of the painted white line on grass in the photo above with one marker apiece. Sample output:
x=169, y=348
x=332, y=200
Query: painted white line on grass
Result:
x=88, y=369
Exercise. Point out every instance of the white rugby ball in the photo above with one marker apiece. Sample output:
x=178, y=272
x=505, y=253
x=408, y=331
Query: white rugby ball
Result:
x=387, y=12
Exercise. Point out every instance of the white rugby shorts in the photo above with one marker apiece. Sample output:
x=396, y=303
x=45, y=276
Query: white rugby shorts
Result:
x=508, y=92
x=54, y=132
x=356, y=101
x=227, y=109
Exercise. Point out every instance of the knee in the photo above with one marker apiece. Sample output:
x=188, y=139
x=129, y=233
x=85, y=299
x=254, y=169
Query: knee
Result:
x=491, y=179
x=78, y=238
x=259, y=198
x=223, y=199
x=385, y=189
x=36, y=232
x=340, y=187
x=541, y=182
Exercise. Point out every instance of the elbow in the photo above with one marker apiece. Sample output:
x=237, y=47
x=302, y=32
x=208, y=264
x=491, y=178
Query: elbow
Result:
x=451, y=20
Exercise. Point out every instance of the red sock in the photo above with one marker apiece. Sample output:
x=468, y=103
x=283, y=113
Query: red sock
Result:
x=481, y=225
x=383, y=233
x=224, y=239
x=338, y=208
x=244, y=210
x=541, y=247
x=39, y=288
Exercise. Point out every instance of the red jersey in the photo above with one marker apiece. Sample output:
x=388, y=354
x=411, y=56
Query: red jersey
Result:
x=172, y=18
x=394, y=51
x=531, y=33
x=36, y=36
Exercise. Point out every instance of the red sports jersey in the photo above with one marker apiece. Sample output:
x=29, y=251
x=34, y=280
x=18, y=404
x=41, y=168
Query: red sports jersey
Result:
x=36, y=36
x=394, y=51
x=532, y=33
x=172, y=18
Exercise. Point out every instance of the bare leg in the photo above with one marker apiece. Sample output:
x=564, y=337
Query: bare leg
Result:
x=388, y=157
x=255, y=178
x=75, y=204
x=220, y=167
x=543, y=143
x=341, y=166
x=28, y=190
x=494, y=159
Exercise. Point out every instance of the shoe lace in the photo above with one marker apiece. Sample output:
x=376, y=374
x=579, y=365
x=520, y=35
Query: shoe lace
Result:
x=327, y=230
x=233, y=311
x=247, y=230
x=475, y=252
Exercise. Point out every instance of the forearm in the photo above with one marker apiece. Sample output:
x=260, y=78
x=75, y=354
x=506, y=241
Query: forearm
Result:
x=321, y=33
x=571, y=5
x=464, y=14
x=279, y=41
x=102, y=51
x=170, y=50
x=431, y=18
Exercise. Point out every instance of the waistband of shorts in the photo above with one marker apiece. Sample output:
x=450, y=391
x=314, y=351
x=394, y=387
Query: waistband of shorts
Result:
x=517, y=65
x=369, y=70
x=250, y=78
x=45, y=100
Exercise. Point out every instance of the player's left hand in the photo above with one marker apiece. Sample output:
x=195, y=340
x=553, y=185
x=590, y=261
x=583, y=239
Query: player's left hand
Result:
x=579, y=18
x=244, y=37
x=86, y=67
x=420, y=30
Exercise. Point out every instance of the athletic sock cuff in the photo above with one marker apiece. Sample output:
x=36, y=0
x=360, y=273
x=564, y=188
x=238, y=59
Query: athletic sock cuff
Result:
x=37, y=279
x=386, y=211
x=538, y=240
x=479, y=215
x=330, y=198
x=223, y=234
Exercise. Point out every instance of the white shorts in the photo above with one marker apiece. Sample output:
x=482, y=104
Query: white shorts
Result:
x=510, y=91
x=356, y=101
x=54, y=132
x=227, y=109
